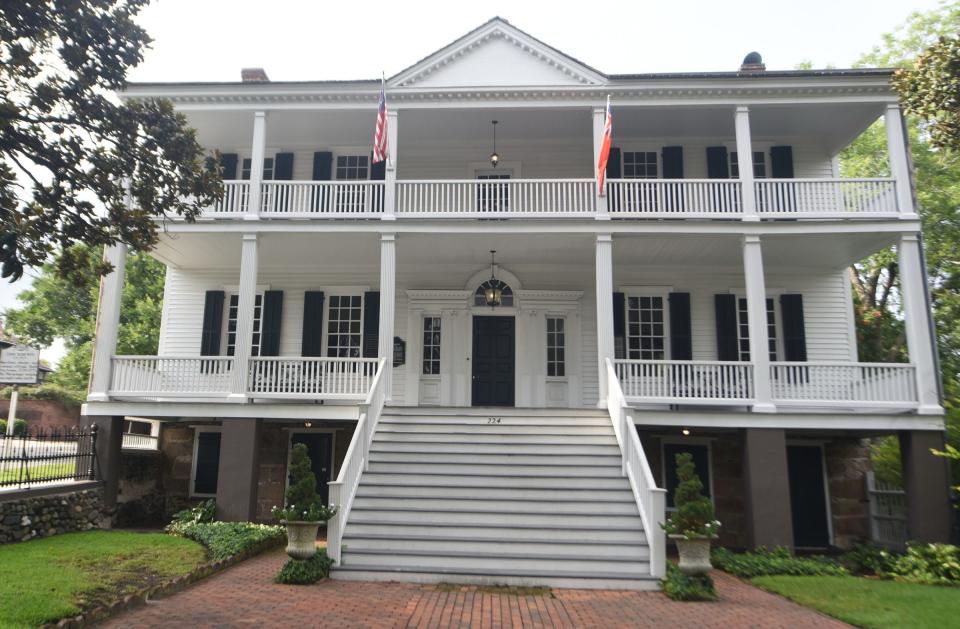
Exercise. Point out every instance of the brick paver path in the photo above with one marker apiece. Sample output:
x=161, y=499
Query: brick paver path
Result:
x=245, y=596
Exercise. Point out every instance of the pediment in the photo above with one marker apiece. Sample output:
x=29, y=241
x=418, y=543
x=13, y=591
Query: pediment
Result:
x=497, y=55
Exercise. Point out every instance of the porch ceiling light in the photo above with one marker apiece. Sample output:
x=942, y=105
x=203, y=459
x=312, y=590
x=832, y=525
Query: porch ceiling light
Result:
x=493, y=294
x=494, y=157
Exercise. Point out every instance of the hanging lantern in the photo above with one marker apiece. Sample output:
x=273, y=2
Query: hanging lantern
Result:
x=493, y=294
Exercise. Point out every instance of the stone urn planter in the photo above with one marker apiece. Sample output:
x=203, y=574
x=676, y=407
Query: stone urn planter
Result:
x=694, y=553
x=301, y=538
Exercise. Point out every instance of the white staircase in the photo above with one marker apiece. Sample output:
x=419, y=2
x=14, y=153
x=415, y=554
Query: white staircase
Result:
x=525, y=497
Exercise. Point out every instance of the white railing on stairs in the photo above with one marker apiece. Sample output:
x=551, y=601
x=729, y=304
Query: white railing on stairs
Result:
x=651, y=500
x=355, y=462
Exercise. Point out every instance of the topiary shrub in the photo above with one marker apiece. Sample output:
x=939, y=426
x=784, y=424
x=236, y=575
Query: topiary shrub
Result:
x=694, y=516
x=305, y=572
x=302, y=500
x=679, y=586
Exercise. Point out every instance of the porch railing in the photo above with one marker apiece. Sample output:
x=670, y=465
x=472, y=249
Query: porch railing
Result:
x=684, y=381
x=134, y=441
x=831, y=382
x=651, y=500
x=321, y=199
x=356, y=460
x=234, y=202
x=496, y=197
x=690, y=198
x=826, y=197
x=311, y=378
x=170, y=376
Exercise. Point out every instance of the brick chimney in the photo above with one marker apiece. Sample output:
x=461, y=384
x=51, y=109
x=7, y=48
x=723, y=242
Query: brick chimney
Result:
x=254, y=75
x=753, y=62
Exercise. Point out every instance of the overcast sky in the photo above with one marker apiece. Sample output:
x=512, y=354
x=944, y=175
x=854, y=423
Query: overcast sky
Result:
x=210, y=40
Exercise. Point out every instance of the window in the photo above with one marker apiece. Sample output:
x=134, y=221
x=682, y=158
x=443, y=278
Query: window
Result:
x=506, y=293
x=639, y=165
x=267, y=168
x=646, y=336
x=759, y=165
x=743, y=329
x=493, y=196
x=431, y=346
x=556, y=342
x=701, y=462
x=344, y=319
x=231, y=330
x=352, y=168
x=206, y=462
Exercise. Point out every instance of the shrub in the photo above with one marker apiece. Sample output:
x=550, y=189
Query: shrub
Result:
x=226, y=539
x=302, y=500
x=48, y=391
x=866, y=559
x=206, y=511
x=688, y=587
x=778, y=561
x=694, y=516
x=932, y=564
x=305, y=572
x=19, y=427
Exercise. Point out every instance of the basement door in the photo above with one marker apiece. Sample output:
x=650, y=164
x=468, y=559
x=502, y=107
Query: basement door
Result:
x=320, y=450
x=808, y=496
x=494, y=361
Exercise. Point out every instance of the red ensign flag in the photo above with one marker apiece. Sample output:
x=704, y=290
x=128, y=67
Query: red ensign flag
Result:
x=604, y=150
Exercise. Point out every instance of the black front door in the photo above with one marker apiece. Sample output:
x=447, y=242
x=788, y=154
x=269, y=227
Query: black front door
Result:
x=493, y=361
x=808, y=497
x=320, y=450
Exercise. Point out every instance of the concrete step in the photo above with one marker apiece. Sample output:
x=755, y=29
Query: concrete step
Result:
x=434, y=478
x=496, y=506
x=490, y=411
x=579, y=533
x=373, y=490
x=491, y=438
x=478, y=562
x=553, y=579
x=459, y=428
x=487, y=458
x=499, y=420
x=460, y=447
x=488, y=547
x=484, y=518
x=494, y=469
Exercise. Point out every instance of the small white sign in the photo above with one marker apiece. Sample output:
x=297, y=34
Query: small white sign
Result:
x=19, y=364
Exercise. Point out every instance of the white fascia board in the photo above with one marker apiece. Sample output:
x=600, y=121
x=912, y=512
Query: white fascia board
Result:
x=790, y=421
x=346, y=412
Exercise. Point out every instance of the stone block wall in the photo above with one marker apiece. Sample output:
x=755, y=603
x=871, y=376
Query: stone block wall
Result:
x=44, y=414
x=848, y=461
x=25, y=516
x=139, y=499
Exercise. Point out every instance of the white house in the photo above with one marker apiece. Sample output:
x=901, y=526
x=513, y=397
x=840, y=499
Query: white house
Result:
x=514, y=417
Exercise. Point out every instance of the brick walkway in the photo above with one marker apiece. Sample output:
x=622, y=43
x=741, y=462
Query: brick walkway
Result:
x=245, y=595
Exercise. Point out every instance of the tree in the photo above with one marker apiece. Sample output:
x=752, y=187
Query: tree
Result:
x=931, y=91
x=70, y=151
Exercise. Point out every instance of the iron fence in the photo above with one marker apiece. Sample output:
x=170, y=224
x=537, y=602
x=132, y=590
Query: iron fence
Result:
x=48, y=457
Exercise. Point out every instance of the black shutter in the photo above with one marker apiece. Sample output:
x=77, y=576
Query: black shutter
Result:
x=378, y=172
x=681, y=341
x=717, y=165
x=613, y=172
x=207, y=467
x=311, y=343
x=619, y=326
x=371, y=324
x=212, y=323
x=322, y=171
x=228, y=162
x=672, y=159
x=283, y=167
x=270, y=323
x=781, y=162
x=794, y=335
x=726, y=307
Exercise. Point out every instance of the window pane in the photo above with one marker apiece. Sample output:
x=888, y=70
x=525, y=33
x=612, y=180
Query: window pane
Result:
x=645, y=340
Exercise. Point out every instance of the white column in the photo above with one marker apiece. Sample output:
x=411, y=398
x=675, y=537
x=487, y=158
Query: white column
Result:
x=604, y=311
x=245, y=304
x=916, y=315
x=899, y=163
x=108, y=323
x=388, y=279
x=599, y=120
x=757, y=319
x=390, y=183
x=745, y=162
x=257, y=152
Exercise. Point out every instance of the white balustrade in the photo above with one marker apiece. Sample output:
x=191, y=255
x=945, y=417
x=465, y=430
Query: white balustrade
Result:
x=311, y=378
x=321, y=199
x=343, y=490
x=882, y=384
x=496, y=197
x=710, y=198
x=833, y=198
x=171, y=376
x=236, y=195
x=140, y=442
x=686, y=381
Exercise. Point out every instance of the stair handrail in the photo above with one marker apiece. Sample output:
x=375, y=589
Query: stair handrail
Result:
x=343, y=490
x=651, y=500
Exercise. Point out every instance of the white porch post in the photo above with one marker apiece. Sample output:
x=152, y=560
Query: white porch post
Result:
x=388, y=278
x=757, y=319
x=899, y=164
x=604, y=311
x=108, y=323
x=918, y=324
x=745, y=162
x=599, y=120
x=390, y=183
x=257, y=152
x=245, y=304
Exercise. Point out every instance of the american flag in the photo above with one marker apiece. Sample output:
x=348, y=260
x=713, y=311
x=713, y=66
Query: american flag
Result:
x=380, y=148
x=604, y=149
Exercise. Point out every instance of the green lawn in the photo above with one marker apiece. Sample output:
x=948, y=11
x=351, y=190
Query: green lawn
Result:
x=46, y=579
x=38, y=471
x=871, y=603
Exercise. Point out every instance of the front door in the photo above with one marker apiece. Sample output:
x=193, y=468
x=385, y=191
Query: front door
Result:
x=808, y=497
x=493, y=361
x=320, y=450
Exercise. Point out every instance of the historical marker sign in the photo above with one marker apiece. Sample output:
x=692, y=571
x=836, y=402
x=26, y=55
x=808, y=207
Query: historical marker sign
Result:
x=19, y=364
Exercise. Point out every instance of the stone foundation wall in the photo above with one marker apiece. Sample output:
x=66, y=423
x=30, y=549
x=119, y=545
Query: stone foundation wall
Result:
x=28, y=516
x=140, y=502
x=44, y=414
x=848, y=461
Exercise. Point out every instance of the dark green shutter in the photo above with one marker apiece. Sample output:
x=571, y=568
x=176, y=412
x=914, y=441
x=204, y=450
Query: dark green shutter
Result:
x=378, y=172
x=681, y=338
x=371, y=324
x=228, y=162
x=781, y=162
x=613, y=172
x=726, y=312
x=207, y=465
x=718, y=166
x=270, y=323
x=794, y=334
x=322, y=171
x=283, y=167
x=311, y=343
x=672, y=159
x=670, y=197
x=212, y=323
x=619, y=326
x=782, y=198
